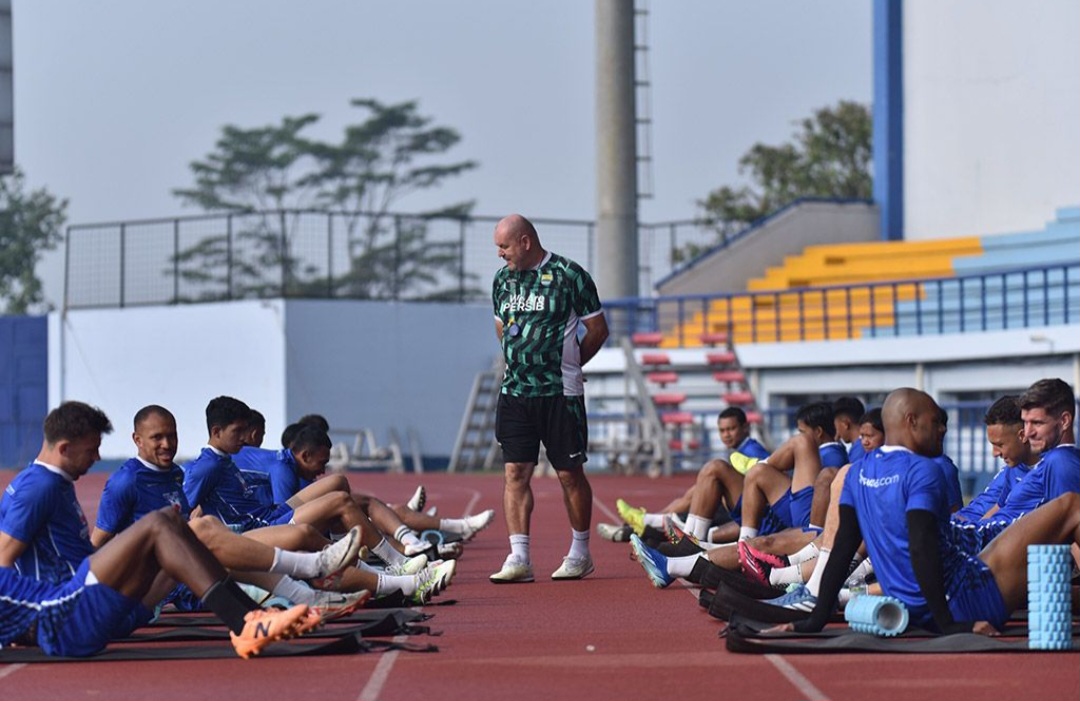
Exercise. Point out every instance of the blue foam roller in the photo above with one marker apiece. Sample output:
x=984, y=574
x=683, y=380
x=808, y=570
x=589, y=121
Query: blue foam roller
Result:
x=1049, y=604
x=434, y=537
x=884, y=616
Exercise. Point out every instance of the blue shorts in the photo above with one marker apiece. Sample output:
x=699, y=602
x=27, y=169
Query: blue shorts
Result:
x=98, y=614
x=268, y=515
x=971, y=538
x=801, y=501
x=973, y=592
x=770, y=522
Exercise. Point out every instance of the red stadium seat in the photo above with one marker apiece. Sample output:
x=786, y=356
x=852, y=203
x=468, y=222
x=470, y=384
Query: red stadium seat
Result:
x=647, y=339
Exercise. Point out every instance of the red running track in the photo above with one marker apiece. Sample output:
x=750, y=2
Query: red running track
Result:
x=610, y=636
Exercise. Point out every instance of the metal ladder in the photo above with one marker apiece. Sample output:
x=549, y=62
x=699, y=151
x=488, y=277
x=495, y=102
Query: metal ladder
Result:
x=475, y=447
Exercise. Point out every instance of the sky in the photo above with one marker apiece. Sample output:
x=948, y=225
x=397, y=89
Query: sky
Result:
x=115, y=98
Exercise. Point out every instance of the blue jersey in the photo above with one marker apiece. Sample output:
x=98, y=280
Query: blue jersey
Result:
x=135, y=490
x=951, y=473
x=833, y=454
x=882, y=488
x=214, y=482
x=277, y=470
x=1057, y=473
x=40, y=508
x=751, y=448
x=855, y=452
x=995, y=493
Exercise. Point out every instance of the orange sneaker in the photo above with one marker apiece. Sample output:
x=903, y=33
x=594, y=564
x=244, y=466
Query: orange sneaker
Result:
x=265, y=626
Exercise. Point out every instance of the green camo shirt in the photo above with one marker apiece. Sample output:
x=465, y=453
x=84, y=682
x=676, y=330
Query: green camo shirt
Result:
x=540, y=311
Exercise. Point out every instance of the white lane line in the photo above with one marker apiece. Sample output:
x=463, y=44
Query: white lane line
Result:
x=472, y=502
x=800, y=682
x=607, y=512
x=10, y=669
x=379, y=677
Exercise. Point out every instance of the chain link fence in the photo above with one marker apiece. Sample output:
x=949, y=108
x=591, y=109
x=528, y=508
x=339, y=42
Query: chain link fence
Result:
x=324, y=255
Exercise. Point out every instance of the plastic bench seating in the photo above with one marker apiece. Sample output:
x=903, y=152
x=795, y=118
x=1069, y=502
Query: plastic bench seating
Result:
x=655, y=359
x=647, y=339
x=663, y=378
x=669, y=399
x=677, y=418
x=720, y=358
x=718, y=338
x=730, y=376
x=679, y=446
x=754, y=417
x=739, y=398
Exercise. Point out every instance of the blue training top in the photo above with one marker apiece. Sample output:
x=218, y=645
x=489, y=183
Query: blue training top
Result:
x=276, y=469
x=214, y=482
x=833, y=454
x=40, y=508
x=135, y=490
x=994, y=494
x=1057, y=473
x=882, y=488
x=855, y=451
x=752, y=448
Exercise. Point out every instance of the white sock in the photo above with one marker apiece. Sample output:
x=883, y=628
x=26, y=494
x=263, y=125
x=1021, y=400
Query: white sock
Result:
x=406, y=535
x=782, y=576
x=808, y=552
x=452, y=525
x=682, y=566
x=814, y=583
x=746, y=533
x=299, y=565
x=385, y=552
x=861, y=571
x=388, y=584
x=294, y=591
x=519, y=547
x=654, y=520
x=698, y=526
x=579, y=544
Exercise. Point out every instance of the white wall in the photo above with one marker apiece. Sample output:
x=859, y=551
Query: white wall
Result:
x=362, y=364
x=991, y=115
x=180, y=357
x=387, y=365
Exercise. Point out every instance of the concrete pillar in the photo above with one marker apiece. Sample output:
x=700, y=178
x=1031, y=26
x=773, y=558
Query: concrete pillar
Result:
x=616, y=265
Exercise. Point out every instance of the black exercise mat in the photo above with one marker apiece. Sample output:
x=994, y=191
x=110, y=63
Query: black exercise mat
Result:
x=387, y=625
x=402, y=615
x=745, y=636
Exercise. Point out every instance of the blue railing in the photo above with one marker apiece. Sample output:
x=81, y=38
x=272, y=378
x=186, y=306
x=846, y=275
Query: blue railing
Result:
x=1010, y=299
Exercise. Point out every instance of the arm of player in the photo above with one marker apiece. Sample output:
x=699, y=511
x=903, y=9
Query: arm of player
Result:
x=10, y=550
x=847, y=540
x=926, y=562
x=596, y=332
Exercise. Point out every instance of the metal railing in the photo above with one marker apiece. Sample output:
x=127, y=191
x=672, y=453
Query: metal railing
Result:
x=1012, y=299
x=326, y=255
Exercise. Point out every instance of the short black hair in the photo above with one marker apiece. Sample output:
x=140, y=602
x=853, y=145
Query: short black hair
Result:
x=151, y=410
x=308, y=437
x=873, y=417
x=1004, y=412
x=818, y=415
x=256, y=419
x=850, y=407
x=225, y=411
x=73, y=420
x=315, y=420
x=733, y=412
x=289, y=434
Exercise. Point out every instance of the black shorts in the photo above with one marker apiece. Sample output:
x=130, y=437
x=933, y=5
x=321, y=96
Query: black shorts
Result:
x=522, y=423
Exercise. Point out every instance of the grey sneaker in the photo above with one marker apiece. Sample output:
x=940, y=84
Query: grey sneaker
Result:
x=513, y=571
x=414, y=565
x=618, y=534
x=574, y=568
x=337, y=556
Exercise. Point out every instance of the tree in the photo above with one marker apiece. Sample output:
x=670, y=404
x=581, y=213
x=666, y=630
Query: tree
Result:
x=392, y=153
x=30, y=223
x=830, y=157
